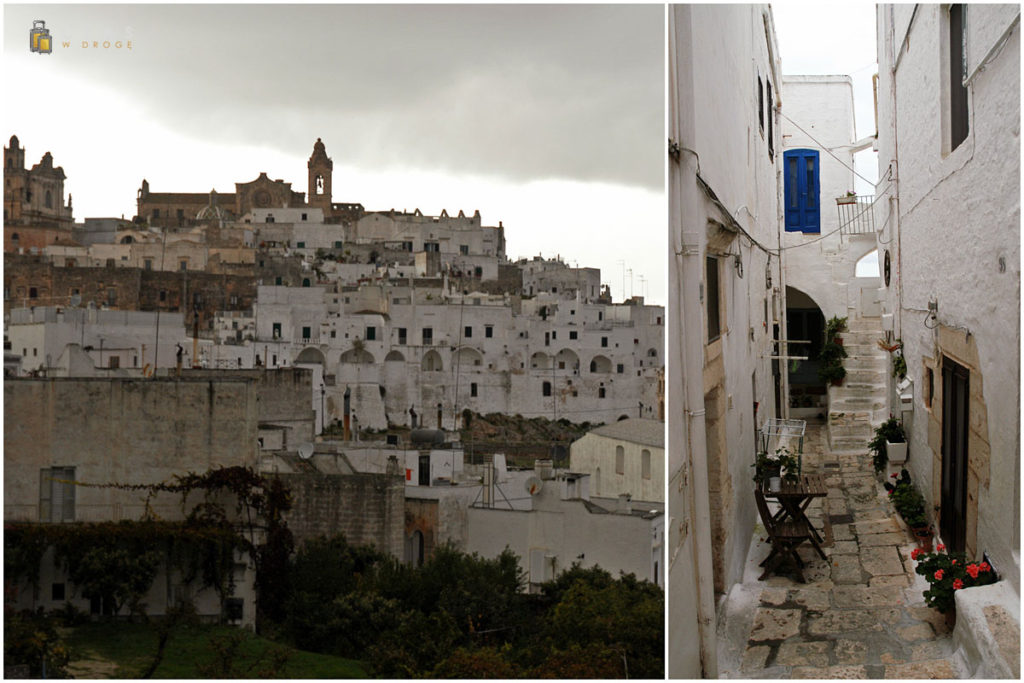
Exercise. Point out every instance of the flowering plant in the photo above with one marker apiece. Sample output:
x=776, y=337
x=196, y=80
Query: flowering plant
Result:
x=947, y=573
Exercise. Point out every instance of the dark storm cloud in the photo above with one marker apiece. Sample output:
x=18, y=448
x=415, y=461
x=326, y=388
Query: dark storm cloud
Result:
x=522, y=92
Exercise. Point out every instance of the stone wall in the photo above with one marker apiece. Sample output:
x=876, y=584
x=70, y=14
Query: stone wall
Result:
x=367, y=508
x=125, y=431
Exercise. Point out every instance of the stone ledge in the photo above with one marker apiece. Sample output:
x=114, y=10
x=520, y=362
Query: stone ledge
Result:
x=987, y=631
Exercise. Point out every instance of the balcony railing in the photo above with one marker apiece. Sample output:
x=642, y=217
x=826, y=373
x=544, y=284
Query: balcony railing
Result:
x=856, y=216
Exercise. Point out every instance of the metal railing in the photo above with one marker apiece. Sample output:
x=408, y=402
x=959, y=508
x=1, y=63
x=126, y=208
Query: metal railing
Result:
x=856, y=216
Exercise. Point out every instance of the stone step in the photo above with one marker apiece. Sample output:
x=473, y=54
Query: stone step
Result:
x=861, y=337
x=865, y=376
x=865, y=363
x=865, y=434
x=844, y=444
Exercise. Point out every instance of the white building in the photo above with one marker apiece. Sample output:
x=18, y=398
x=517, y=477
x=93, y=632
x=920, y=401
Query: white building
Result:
x=623, y=458
x=949, y=142
x=123, y=341
x=563, y=526
x=724, y=172
x=396, y=347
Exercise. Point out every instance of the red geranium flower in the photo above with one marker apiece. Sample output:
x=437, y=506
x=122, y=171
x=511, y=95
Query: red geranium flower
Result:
x=954, y=563
x=938, y=575
x=940, y=547
x=973, y=569
x=984, y=567
x=916, y=553
x=894, y=475
x=957, y=584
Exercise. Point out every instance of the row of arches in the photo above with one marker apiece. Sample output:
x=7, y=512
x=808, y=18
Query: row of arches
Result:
x=467, y=358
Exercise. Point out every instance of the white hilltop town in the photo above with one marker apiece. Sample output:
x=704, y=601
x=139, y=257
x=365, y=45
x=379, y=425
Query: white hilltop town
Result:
x=361, y=356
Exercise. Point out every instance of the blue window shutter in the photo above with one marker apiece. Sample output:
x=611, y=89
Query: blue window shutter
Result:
x=802, y=189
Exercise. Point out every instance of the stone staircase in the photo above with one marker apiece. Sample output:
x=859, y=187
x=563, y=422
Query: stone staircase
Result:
x=859, y=405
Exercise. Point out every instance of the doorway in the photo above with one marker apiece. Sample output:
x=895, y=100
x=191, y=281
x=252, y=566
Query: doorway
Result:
x=955, y=423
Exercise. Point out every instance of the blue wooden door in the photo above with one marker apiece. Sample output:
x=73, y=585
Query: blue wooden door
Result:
x=801, y=187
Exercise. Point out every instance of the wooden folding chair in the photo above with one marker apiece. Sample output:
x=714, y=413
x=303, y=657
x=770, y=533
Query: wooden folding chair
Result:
x=785, y=538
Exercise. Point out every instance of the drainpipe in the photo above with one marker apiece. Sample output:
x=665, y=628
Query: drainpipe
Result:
x=688, y=247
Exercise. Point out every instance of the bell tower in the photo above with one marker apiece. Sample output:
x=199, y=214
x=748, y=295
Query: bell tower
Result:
x=320, y=167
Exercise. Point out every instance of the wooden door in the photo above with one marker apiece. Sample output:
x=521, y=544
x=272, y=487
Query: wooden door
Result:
x=955, y=423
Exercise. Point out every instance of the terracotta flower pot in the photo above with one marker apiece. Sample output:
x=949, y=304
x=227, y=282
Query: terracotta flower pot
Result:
x=924, y=538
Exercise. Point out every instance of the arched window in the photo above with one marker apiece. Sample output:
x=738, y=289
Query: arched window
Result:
x=305, y=282
x=620, y=460
x=867, y=266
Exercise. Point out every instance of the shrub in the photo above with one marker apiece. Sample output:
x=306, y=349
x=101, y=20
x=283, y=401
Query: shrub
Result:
x=892, y=431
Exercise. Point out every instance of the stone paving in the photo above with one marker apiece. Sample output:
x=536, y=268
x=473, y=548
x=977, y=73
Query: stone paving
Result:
x=857, y=616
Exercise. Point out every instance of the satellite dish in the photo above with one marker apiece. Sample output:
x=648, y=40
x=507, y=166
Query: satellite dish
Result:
x=534, y=485
x=305, y=450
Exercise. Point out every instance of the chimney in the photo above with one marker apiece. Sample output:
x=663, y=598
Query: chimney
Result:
x=625, y=505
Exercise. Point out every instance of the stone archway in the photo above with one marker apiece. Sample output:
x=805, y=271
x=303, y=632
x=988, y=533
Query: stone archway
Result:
x=805, y=321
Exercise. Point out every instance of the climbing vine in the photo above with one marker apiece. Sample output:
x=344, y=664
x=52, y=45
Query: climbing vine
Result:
x=118, y=561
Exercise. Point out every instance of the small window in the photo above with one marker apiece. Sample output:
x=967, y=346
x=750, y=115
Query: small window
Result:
x=959, y=124
x=604, y=342
x=337, y=244
x=620, y=460
x=432, y=246
x=554, y=334
x=572, y=334
x=33, y=293
x=472, y=389
x=156, y=213
x=401, y=336
x=57, y=494
x=464, y=249
x=619, y=368
x=276, y=330
x=428, y=336
x=57, y=592
x=489, y=331
x=304, y=217
x=371, y=333
x=277, y=280
x=546, y=390
x=114, y=362
x=771, y=136
x=760, y=103
x=468, y=332
x=181, y=214
x=711, y=296
x=300, y=245
x=183, y=265
x=600, y=392
x=148, y=264
x=645, y=464
x=163, y=295
x=307, y=332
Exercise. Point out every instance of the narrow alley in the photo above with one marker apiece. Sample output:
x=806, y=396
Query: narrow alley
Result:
x=861, y=614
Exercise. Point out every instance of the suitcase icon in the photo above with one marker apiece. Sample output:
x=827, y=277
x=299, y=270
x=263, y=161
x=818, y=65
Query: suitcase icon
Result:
x=39, y=38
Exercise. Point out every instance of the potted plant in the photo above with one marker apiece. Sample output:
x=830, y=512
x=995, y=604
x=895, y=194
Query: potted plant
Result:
x=947, y=573
x=889, y=444
x=831, y=357
x=834, y=326
x=849, y=198
x=899, y=366
x=782, y=465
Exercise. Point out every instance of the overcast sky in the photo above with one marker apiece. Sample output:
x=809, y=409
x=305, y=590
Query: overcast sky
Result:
x=547, y=118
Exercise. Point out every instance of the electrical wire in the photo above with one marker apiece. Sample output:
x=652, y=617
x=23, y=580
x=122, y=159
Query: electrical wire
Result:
x=829, y=151
x=868, y=207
